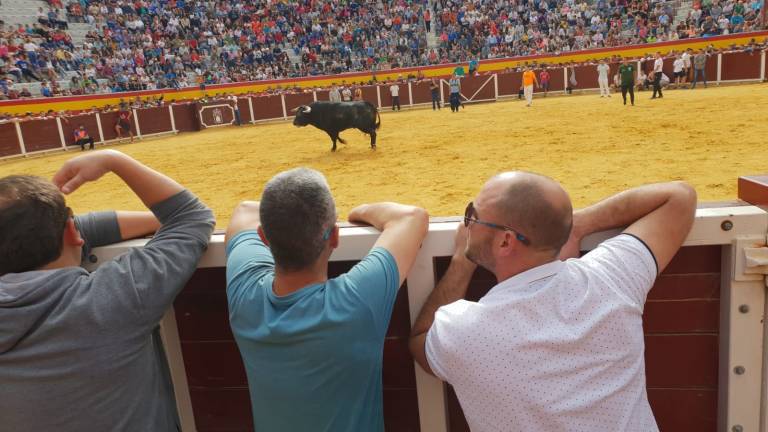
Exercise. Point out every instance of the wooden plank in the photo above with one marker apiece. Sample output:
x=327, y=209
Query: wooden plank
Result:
x=754, y=189
x=222, y=410
x=684, y=410
x=681, y=361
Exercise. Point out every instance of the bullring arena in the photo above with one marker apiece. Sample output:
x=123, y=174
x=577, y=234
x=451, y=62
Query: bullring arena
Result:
x=706, y=340
x=439, y=160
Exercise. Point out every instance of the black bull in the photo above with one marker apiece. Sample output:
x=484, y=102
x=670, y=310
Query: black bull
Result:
x=334, y=117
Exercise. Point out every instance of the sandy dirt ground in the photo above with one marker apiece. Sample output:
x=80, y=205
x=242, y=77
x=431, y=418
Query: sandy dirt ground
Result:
x=595, y=147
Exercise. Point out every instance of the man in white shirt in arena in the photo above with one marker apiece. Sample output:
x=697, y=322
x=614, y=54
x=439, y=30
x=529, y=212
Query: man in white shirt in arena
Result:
x=557, y=344
x=658, y=65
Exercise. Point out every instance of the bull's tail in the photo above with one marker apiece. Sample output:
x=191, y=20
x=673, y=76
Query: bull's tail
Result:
x=378, y=119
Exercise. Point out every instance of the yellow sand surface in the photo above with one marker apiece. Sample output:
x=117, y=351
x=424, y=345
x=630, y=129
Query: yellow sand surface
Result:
x=595, y=147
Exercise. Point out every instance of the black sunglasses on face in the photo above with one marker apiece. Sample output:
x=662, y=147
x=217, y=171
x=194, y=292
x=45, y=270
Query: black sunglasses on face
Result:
x=468, y=218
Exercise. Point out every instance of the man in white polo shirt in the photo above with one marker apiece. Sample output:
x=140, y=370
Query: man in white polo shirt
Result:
x=658, y=66
x=555, y=345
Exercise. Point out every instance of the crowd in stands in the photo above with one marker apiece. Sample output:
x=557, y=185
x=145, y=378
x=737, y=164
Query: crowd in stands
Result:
x=151, y=44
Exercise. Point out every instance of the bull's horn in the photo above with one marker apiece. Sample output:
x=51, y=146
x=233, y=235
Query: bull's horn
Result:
x=307, y=109
x=297, y=108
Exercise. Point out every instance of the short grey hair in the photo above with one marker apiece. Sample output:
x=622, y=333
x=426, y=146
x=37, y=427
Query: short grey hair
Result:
x=297, y=211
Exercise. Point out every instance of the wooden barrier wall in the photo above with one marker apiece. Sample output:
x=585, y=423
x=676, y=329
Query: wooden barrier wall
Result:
x=23, y=137
x=681, y=324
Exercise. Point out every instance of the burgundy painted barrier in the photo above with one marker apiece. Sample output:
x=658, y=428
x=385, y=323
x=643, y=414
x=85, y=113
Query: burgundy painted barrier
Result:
x=43, y=134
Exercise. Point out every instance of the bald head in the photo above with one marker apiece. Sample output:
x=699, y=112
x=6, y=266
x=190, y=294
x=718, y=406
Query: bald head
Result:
x=534, y=204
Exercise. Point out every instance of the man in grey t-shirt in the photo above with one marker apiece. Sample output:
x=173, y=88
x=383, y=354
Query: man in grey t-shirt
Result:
x=699, y=68
x=80, y=351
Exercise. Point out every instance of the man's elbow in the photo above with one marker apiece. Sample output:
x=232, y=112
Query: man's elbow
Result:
x=416, y=345
x=685, y=196
x=246, y=207
x=420, y=218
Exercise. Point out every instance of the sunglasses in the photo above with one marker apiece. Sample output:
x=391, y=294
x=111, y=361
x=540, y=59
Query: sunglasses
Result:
x=470, y=216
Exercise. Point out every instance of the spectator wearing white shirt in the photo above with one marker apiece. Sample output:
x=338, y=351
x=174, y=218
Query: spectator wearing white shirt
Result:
x=334, y=95
x=394, y=90
x=658, y=66
x=602, y=78
x=678, y=67
x=687, y=61
x=558, y=343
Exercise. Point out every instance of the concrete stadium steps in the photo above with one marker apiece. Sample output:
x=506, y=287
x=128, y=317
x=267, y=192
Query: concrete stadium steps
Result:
x=683, y=9
x=78, y=31
x=14, y=12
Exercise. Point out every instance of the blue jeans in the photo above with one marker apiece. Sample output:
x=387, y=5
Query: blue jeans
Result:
x=696, y=73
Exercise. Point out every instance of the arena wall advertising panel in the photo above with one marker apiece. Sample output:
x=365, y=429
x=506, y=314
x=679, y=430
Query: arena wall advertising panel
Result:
x=9, y=141
x=70, y=123
x=41, y=134
x=421, y=93
x=386, y=96
x=154, y=120
x=295, y=100
x=740, y=66
x=185, y=118
x=215, y=113
x=267, y=107
x=217, y=381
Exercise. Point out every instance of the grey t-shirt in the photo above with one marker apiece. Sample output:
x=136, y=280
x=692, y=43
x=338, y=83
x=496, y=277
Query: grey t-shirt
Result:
x=79, y=351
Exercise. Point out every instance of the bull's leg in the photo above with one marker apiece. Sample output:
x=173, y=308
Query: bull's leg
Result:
x=341, y=140
x=334, y=136
x=373, y=139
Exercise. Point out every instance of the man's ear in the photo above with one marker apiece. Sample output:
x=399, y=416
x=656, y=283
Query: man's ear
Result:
x=72, y=236
x=508, y=245
x=334, y=240
x=262, y=236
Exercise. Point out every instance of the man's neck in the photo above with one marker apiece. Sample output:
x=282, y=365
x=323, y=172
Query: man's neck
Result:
x=503, y=274
x=286, y=282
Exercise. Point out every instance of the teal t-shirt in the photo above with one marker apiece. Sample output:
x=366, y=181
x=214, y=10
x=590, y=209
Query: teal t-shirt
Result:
x=313, y=357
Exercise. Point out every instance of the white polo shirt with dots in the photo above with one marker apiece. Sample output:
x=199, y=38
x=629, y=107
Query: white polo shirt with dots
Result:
x=556, y=348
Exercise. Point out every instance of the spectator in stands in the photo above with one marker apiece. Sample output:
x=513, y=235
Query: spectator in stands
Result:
x=82, y=138
x=25, y=93
x=699, y=68
x=321, y=336
x=73, y=340
x=358, y=93
x=586, y=354
x=45, y=91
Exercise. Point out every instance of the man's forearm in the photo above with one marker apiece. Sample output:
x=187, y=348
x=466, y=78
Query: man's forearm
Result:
x=149, y=185
x=621, y=209
x=134, y=224
x=380, y=215
x=452, y=287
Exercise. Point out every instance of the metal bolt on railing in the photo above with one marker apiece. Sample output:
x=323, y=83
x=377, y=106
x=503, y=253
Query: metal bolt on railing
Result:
x=744, y=308
x=739, y=370
x=737, y=428
x=726, y=225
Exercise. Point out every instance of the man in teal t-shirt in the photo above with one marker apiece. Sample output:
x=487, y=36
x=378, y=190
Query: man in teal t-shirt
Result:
x=312, y=346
